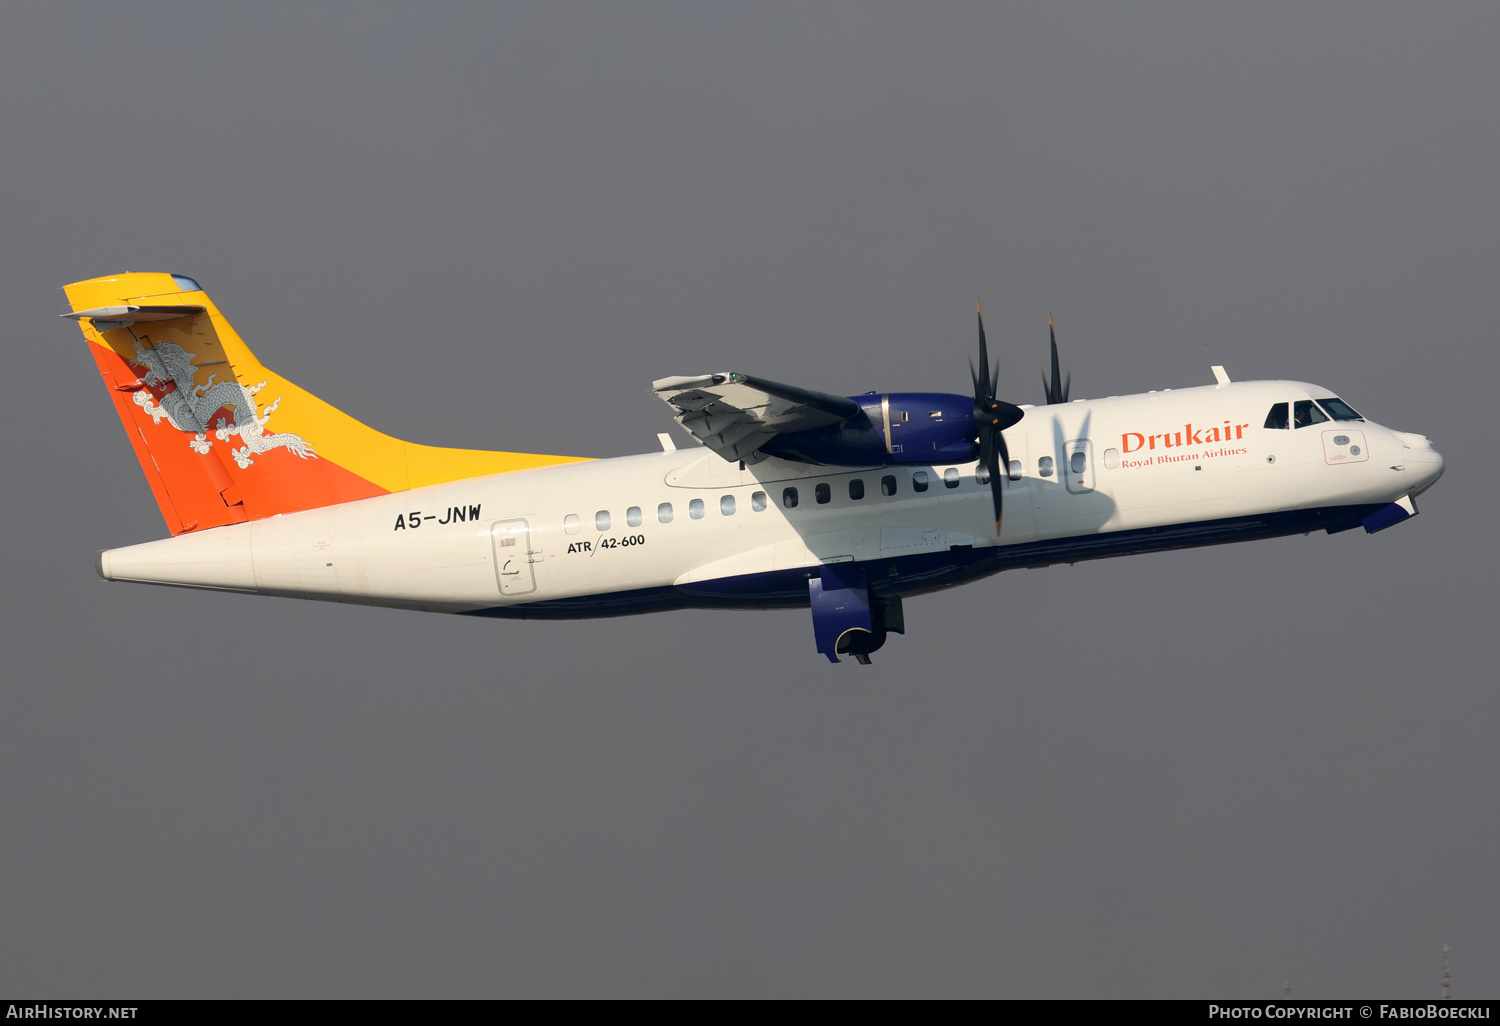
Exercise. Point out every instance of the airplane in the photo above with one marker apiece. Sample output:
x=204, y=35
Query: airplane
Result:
x=842, y=505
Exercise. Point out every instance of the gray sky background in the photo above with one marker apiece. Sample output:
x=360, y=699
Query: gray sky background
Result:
x=1190, y=774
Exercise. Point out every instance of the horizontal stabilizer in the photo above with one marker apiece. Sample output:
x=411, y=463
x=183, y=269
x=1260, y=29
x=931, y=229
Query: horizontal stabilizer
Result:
x=107, y=318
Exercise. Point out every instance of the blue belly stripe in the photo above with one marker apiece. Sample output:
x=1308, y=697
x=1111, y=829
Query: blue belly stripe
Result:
x=933, y=571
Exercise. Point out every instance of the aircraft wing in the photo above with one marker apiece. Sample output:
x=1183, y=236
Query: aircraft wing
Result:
x=735, y=414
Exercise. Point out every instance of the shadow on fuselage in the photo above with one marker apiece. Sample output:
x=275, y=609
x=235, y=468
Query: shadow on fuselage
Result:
x=1047, y=520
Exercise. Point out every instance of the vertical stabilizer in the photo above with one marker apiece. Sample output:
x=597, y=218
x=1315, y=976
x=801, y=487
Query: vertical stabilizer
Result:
x=222, y=438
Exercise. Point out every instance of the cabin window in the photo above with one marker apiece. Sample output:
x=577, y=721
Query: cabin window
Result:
x=1338, y=409
x=601, y=520
x=726, y=505
x=888, y=485
x=572, y=524
x=856, y=488
x=822, y=493
x=758, y=502
x=695, y=509
x=950, y=477
x=919, y=481
x=1079, y=461
x=1014, y=470
x=1111, y=458
x=789, y=498
x=664, y=512
x=1276, y=419
x=1305, y=413
x=633, y=516
x=982, y=475
x=1044, y=466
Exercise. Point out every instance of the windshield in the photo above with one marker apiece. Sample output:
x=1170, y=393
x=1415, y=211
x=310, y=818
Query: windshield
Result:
x=1338, y=409
x=1306, y=413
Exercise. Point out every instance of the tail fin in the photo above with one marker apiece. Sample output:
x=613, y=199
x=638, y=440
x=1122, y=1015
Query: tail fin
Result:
x=221, y=438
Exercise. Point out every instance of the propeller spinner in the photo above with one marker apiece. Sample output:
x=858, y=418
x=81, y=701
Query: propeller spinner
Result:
x=991, y=417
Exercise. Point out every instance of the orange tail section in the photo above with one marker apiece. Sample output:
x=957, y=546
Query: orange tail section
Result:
x=221, y=438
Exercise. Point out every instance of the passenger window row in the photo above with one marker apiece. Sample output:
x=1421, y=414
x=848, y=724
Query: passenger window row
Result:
x=573, y=523
x=921, y=480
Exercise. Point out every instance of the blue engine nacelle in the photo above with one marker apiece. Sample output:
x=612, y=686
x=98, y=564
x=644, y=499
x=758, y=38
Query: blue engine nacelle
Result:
x=899, y=427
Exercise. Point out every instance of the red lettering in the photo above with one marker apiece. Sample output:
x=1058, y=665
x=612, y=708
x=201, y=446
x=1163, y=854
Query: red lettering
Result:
x=1189, y=435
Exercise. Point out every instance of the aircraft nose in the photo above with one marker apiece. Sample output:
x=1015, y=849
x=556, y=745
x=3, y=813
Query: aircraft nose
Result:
x=1424, y=464
x=1428, y=471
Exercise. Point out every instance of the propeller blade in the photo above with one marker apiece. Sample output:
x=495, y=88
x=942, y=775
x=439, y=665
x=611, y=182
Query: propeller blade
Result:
x=1057, y=387
x=991, y=417
x=983, y=374
x=1002, y=460
x=990, y=443
x=995, y=490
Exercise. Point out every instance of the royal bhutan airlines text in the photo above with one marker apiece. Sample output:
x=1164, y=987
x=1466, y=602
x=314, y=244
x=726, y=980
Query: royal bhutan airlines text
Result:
x=1134, y=441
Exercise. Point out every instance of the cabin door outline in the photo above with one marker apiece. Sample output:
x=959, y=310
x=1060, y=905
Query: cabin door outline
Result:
x=1078, y=474
x=514, y=556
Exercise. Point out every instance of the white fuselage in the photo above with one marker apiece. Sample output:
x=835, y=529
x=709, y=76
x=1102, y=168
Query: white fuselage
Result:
x=1089, y=478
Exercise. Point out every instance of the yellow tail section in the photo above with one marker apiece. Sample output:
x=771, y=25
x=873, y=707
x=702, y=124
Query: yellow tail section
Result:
x=224, y=439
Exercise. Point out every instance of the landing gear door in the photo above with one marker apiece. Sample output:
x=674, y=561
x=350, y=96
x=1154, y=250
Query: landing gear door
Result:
x=1078, y=466
x=511, y=540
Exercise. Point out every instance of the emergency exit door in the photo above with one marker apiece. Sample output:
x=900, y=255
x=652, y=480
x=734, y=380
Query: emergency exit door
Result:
x=1078, y=466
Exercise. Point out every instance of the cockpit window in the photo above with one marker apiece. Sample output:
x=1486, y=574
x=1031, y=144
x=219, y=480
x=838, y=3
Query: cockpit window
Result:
x=1305, y=413
x=1338, y=409
x=1277, y=417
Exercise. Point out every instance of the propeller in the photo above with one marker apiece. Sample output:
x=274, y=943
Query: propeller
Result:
x=1055, y=393
x=991, y=417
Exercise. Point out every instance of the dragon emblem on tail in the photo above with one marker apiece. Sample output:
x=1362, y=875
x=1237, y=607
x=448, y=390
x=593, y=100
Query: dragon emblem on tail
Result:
x=172, y=378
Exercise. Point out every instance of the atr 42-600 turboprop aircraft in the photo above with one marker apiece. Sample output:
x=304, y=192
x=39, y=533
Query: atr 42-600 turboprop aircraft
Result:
x=844, y=505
